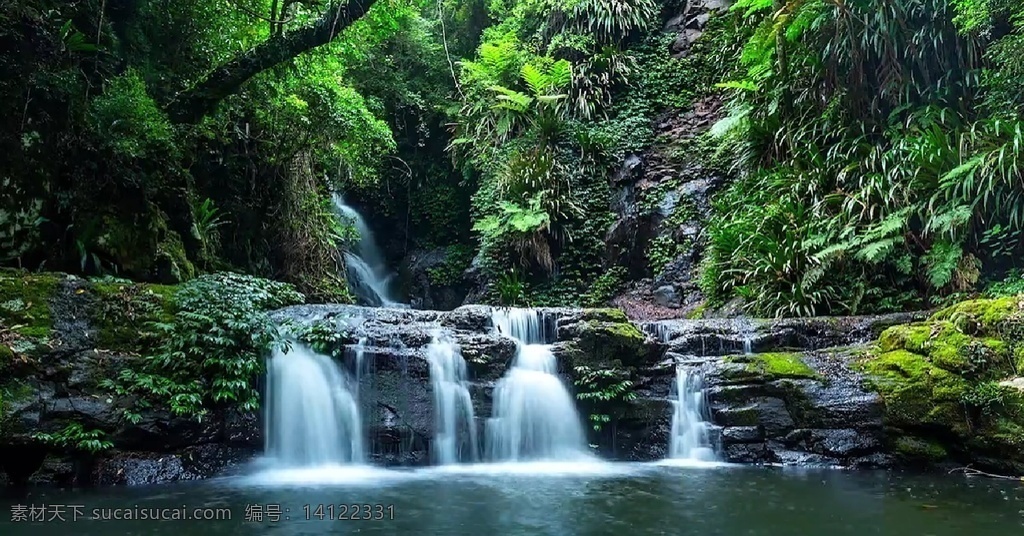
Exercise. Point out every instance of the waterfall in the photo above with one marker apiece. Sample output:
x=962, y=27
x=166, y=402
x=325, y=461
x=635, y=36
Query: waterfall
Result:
x=453, y=408
x=368, y=275
x=690, y=439
x=312, y=416
x=534, y=415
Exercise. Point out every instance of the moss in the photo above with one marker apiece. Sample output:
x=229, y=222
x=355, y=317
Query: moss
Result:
x=948, y=347
x=605, y=315
x=139, y=244
x=698, y=312
x=919, y=450
x=982, y=316
x=776, y=365
x=604, y=343
x=25, y=302
x=917, y=393
x=125, y=311
x=172, y=264
x=6, y=358
x=938, y=381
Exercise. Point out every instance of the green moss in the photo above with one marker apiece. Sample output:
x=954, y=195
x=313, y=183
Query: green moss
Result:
x=946, y=346
x=608, y=343
x=984, y=316
x=918, y=450
x=6, y=358
x=916, y=392
x=138, y=244
x=125, y=312
x=25, y=302
x=777, y=365
x=172, y=262
x=698, y=312
x=605, y=315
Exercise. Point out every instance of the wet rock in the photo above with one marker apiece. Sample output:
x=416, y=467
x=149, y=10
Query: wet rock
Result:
x=429, y=292
x=473, y=318
x=748, y=453
x=666, y=296
x=742, y=434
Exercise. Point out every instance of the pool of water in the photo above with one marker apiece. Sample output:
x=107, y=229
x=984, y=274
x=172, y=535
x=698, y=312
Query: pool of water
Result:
x=537, y=499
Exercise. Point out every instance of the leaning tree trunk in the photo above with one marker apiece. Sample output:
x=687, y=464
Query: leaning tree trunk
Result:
x=194, y=104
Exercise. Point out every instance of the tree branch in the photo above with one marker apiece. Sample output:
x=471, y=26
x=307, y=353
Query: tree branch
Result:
x=194, y=104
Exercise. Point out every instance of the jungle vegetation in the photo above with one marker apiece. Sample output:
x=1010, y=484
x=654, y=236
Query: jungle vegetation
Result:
x=871, y=148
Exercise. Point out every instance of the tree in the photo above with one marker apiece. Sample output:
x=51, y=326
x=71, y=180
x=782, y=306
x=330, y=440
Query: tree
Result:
x=194, y=104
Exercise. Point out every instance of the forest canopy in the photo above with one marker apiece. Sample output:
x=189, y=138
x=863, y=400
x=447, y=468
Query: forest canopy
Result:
x=849, y=157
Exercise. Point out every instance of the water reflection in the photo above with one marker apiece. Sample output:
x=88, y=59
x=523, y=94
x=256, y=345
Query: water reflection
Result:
x=619, y=499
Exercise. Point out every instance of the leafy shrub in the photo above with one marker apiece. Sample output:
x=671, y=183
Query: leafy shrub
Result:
x=128, y=122
x=75, y=436
x=213, y=348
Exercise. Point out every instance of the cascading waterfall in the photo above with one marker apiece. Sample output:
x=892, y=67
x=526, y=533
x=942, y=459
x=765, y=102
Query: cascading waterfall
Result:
x=368, y=275
x=312, y=416
x=453, y=408
x=690, y=438
x=534, y=415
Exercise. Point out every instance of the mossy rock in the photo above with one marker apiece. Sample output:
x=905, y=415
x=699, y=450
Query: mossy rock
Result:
x=125, y=312
x=25, y=302
x=139, y=244
x=778, y=365
x=6, y=358
x=918, y=393
x=605, y=315
x=601, y=343
x=949, y=348
x=919, y=451
x=983, y=317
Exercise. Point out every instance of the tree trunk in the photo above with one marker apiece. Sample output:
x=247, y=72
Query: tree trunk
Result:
x=192, y=105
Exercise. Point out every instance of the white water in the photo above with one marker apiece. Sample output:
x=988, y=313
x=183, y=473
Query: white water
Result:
x=690, y=439
x=534, y=415
x=368, y=275
x=312, y=417
x=453, y=408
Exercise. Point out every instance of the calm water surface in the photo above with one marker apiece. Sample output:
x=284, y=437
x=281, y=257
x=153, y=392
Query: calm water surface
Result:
x=564, y=500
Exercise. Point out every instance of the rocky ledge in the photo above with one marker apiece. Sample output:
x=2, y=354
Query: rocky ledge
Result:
x=898, y=390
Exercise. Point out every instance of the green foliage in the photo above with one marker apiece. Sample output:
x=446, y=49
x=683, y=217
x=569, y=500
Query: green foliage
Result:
x=601, y=388
x=128, y=122
x=74, y=436
x=456, y=261
x=212, y=350
x=860, y=169
x=25, y=302
x=987, y=397
x=605, y=287
x=1011, y=285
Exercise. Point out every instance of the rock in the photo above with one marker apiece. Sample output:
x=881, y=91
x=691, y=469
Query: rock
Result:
x=666, y=296
x=431, y=276
x=475, y=318
x=748, y=453
x=1013, y=383
x=742, y=434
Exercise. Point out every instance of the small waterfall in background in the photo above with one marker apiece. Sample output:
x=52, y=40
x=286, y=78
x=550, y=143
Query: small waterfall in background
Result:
x=368, y=275
x=453, y=408
x=690, y=438
x=312, y=415
x=534, y=415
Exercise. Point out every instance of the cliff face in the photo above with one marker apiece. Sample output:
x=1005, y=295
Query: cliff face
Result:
x=901, y=390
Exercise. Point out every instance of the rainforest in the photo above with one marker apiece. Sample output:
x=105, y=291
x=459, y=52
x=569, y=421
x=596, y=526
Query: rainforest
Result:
x=340, y=234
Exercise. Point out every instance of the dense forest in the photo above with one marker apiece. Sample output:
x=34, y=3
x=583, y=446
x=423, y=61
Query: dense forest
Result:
x=676, y=158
